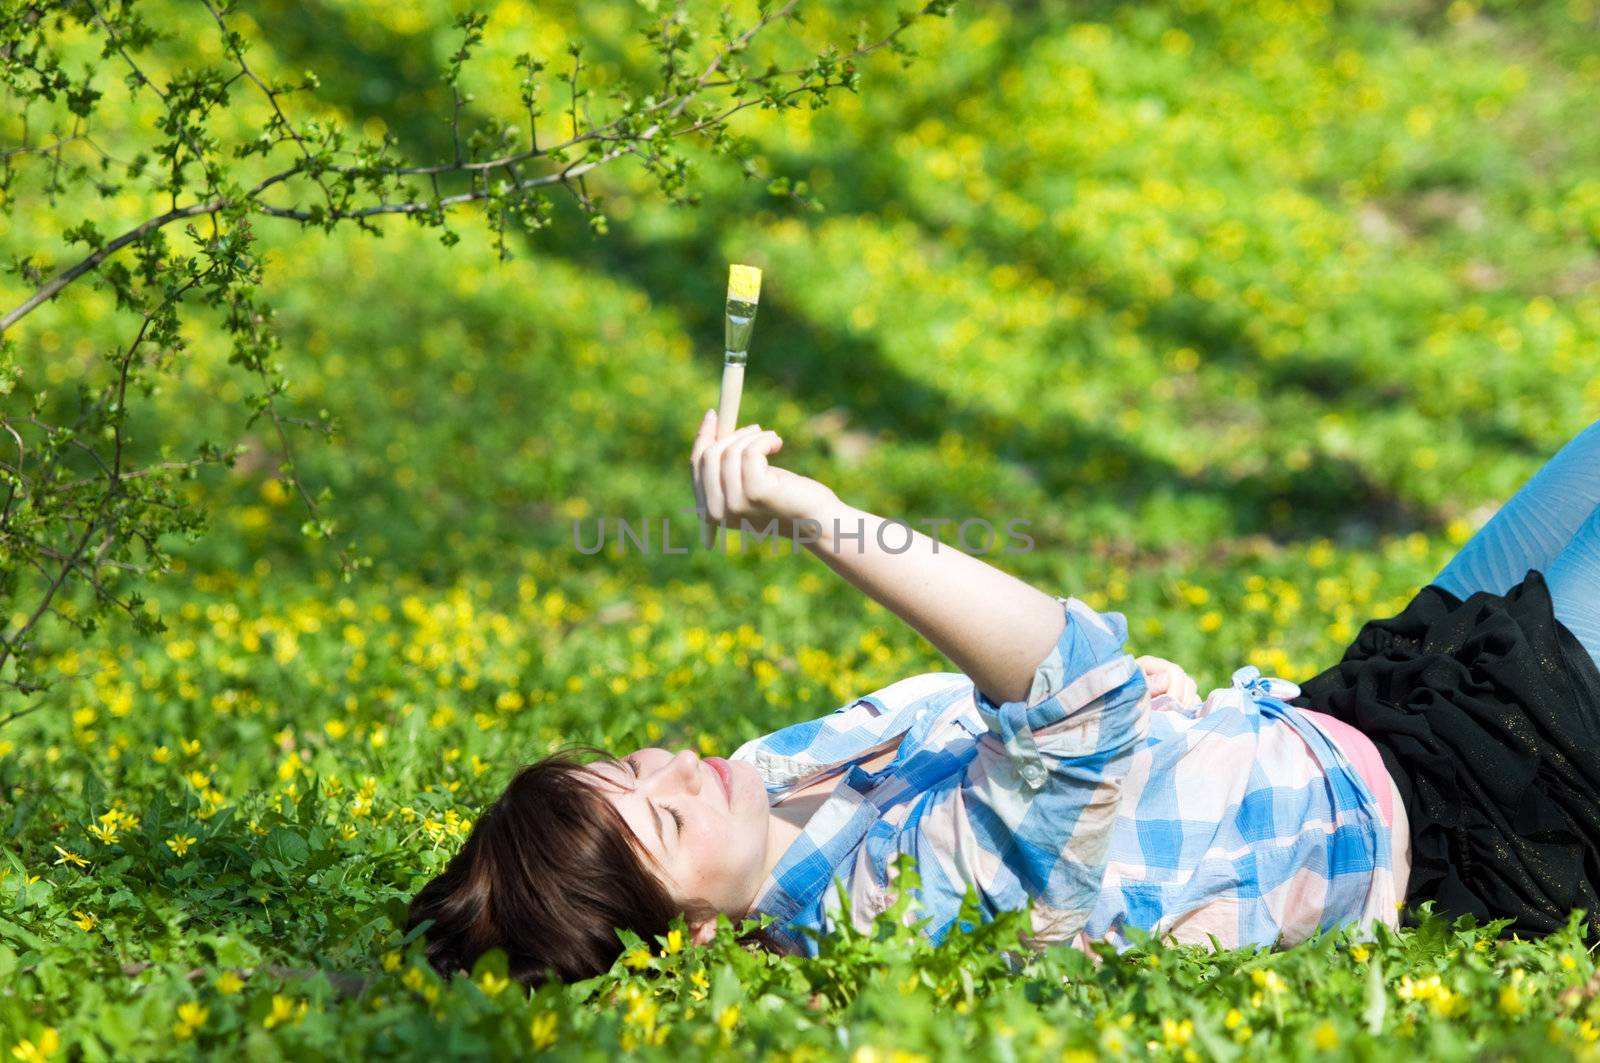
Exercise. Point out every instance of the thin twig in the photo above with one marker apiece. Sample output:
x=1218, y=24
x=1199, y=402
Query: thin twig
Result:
x=272, y=97
x=674, y=105
x=104, y=252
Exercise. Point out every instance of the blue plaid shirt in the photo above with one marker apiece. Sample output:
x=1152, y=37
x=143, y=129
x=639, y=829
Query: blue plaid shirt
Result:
x=1236, y=819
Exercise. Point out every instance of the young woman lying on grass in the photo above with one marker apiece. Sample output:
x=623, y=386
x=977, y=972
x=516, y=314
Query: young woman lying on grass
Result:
x=1455, y=758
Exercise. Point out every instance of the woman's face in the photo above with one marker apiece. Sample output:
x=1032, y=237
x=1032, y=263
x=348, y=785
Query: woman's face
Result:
x=709, y=839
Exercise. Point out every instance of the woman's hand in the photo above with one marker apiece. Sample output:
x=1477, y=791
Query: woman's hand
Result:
x=733, y=481
x=1164, y=677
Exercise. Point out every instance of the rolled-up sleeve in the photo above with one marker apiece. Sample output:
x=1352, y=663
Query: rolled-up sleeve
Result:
x=1030, y=817
x=1087, y=697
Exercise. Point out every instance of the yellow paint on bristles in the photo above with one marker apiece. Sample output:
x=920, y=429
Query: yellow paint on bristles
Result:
x=744, y=283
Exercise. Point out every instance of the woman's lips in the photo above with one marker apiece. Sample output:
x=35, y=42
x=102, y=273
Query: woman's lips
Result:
x=724, y=776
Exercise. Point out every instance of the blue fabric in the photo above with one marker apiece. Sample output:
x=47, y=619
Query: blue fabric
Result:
x=1243, y=819
x=1551, y=524
x=1079, y=799
x=1015, y=799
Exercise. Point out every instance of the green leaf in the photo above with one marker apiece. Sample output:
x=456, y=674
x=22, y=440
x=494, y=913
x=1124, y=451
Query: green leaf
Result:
x=286, y=847
x=1377, y=998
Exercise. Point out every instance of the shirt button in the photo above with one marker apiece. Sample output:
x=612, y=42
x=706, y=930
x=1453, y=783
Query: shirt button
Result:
x=1032, y=773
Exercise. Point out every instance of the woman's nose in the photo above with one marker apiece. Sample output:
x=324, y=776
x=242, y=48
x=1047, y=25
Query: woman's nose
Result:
x=688, y=765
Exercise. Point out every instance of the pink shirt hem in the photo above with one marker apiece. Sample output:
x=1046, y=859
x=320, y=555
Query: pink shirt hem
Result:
x=1363, y=756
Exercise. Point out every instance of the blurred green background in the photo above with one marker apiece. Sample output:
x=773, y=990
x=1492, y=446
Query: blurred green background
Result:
x=1253, y=311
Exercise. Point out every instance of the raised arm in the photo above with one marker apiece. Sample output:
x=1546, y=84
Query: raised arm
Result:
x=992, y=626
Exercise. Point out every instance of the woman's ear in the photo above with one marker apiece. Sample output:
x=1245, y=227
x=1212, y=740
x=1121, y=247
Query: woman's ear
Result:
x=703, y=930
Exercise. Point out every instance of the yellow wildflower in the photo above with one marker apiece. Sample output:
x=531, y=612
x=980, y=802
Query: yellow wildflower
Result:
x=727, y=1019
x=1419, y=988
x=85, y=920
x=49, y=1044
x=191, y=1017
x=543, y=1030
x=1271, y=981
x=1324, y=1036
x=283, y=1010
x=492, y=984
x=179, y=843
x=642, y=1012
x=68, y=857
x=638, y=958
x=674, y=942
x=1445, y=1002
x=229, y=983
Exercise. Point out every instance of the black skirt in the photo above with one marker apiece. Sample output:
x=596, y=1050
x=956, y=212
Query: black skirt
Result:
x=1487, y=714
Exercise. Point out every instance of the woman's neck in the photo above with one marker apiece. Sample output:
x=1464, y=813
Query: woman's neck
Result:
x=794, y=810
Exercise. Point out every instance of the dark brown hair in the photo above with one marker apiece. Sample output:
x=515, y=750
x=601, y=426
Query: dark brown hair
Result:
x=549, y=873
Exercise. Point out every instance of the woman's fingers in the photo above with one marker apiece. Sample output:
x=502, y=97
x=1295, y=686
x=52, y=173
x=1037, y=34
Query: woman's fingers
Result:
x=713, y=475
x=735, y=497
x=731, y=476
x=1157, y=678
x=703, y=438
x=754, y=478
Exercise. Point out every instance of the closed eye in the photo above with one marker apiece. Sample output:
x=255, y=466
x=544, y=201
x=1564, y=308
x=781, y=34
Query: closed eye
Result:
x=677, y=817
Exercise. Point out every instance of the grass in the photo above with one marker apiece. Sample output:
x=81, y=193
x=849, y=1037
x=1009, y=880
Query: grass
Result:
x=1254, y=312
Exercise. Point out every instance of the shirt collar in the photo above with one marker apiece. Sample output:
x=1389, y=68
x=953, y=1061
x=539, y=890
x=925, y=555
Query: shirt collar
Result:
x=796, y=754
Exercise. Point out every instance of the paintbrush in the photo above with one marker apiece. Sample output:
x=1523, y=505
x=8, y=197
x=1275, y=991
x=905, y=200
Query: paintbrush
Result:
x=744, y=291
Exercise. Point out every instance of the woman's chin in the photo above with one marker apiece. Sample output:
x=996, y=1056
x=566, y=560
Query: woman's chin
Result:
x=744, y=780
